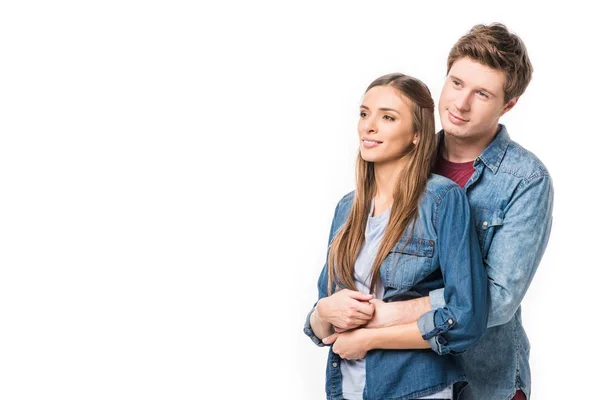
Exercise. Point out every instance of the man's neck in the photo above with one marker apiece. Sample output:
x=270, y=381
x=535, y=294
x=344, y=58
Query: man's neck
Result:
x=461, y=150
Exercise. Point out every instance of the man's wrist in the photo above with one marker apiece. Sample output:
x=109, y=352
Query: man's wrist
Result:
x=424, y=304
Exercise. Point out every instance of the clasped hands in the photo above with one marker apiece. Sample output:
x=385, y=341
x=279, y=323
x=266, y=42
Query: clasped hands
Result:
x=347, y=310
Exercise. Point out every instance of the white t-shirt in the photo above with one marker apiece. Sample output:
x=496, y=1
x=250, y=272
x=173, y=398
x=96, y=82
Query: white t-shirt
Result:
x=353, y=371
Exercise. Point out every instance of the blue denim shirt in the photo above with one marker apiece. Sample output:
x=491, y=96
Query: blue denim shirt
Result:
x=442, y=253
x=511, y=199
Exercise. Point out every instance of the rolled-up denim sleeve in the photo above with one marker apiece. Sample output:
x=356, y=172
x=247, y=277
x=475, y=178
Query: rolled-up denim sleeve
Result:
x=322, y=282
x=436, y=298
x=309, y=332
x=461, y=321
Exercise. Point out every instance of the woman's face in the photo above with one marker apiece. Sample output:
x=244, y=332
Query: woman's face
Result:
x=385, y=125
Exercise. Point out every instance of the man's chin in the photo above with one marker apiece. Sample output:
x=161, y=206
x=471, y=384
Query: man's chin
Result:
x=451, y=130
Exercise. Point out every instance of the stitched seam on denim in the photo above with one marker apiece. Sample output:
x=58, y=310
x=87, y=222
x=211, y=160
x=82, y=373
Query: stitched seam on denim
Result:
x=517, y=352
x=436, y=195
x=438, y=329
x=437, y=208
x=527, y=182
x=523, y=154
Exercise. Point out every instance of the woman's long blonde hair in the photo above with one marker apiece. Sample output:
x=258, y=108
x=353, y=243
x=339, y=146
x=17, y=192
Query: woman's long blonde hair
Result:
x=410, y=186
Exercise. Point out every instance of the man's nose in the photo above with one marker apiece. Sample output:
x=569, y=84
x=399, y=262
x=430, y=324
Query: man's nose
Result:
x=462, y=102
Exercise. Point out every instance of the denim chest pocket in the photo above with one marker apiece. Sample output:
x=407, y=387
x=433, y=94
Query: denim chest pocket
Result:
x=408, y=263
x=487, y=222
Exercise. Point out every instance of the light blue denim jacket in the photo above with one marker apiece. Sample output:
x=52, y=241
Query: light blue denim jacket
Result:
x=511, y=199
x=442, y=253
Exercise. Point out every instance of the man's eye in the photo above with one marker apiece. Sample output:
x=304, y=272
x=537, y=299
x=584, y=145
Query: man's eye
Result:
x=363, y=114
x=483, y=94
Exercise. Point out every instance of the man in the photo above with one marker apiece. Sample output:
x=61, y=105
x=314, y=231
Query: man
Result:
x=511, y=197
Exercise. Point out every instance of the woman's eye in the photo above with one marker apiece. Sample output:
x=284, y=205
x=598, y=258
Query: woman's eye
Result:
x=389, y=118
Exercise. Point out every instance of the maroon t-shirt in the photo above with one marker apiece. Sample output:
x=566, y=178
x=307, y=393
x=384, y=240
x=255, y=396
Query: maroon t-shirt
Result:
x=458, y=172
x=519, y=396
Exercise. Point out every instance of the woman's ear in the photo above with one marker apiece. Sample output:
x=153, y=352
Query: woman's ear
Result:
x=415, y=140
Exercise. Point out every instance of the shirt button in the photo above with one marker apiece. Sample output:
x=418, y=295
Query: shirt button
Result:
x=334, y=365
x=485, y=223
x=450, y=321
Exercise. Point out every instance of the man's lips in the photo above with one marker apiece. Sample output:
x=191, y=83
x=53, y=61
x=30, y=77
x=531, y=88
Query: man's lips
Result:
x=456, y=119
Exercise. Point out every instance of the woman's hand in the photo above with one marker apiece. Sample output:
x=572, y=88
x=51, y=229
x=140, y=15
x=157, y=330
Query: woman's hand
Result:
x=346, y=309
x=351, y=345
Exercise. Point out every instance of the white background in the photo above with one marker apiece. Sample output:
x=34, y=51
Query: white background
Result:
x=169, y=171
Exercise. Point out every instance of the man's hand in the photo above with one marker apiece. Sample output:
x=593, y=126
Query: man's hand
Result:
x=386, y=314
x=351, y=345
x=346, y=309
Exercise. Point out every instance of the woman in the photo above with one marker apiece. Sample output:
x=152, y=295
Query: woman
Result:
x=402, y=233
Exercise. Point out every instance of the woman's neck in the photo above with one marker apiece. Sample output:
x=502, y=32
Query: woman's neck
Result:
x=386, y=178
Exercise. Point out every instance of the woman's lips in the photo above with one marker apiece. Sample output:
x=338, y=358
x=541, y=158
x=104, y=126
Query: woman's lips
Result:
x=369, y=144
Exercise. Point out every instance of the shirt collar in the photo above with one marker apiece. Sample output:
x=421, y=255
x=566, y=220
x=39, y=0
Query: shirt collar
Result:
x=493, y=154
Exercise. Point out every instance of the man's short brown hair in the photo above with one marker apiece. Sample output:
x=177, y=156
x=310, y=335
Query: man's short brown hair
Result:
x=494, y=46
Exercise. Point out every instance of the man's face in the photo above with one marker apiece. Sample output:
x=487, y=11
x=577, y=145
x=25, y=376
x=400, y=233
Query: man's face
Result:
x=472, y=100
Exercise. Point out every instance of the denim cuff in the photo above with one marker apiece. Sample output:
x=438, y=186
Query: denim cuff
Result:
x=309, y=332
x=432, y=332
x=436, y=298
x=426, y=326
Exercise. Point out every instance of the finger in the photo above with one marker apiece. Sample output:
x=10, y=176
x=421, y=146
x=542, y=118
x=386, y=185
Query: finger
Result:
x=335, y=349
x=359, y=295
x=350, y=323
x=331, y=338
x=355, y=323
x=360, y=317
x=339, y=330
x=355, y=320
x=366, y=309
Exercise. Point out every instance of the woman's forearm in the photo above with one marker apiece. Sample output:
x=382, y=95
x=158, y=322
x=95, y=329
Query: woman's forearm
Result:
x=406, y=336
x=355, y=344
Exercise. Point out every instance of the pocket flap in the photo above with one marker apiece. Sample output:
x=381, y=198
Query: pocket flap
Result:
x=487, y=218
x=415, y=246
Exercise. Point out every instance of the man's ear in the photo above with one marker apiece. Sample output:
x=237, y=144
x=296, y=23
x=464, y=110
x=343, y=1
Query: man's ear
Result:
x=511, y=103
